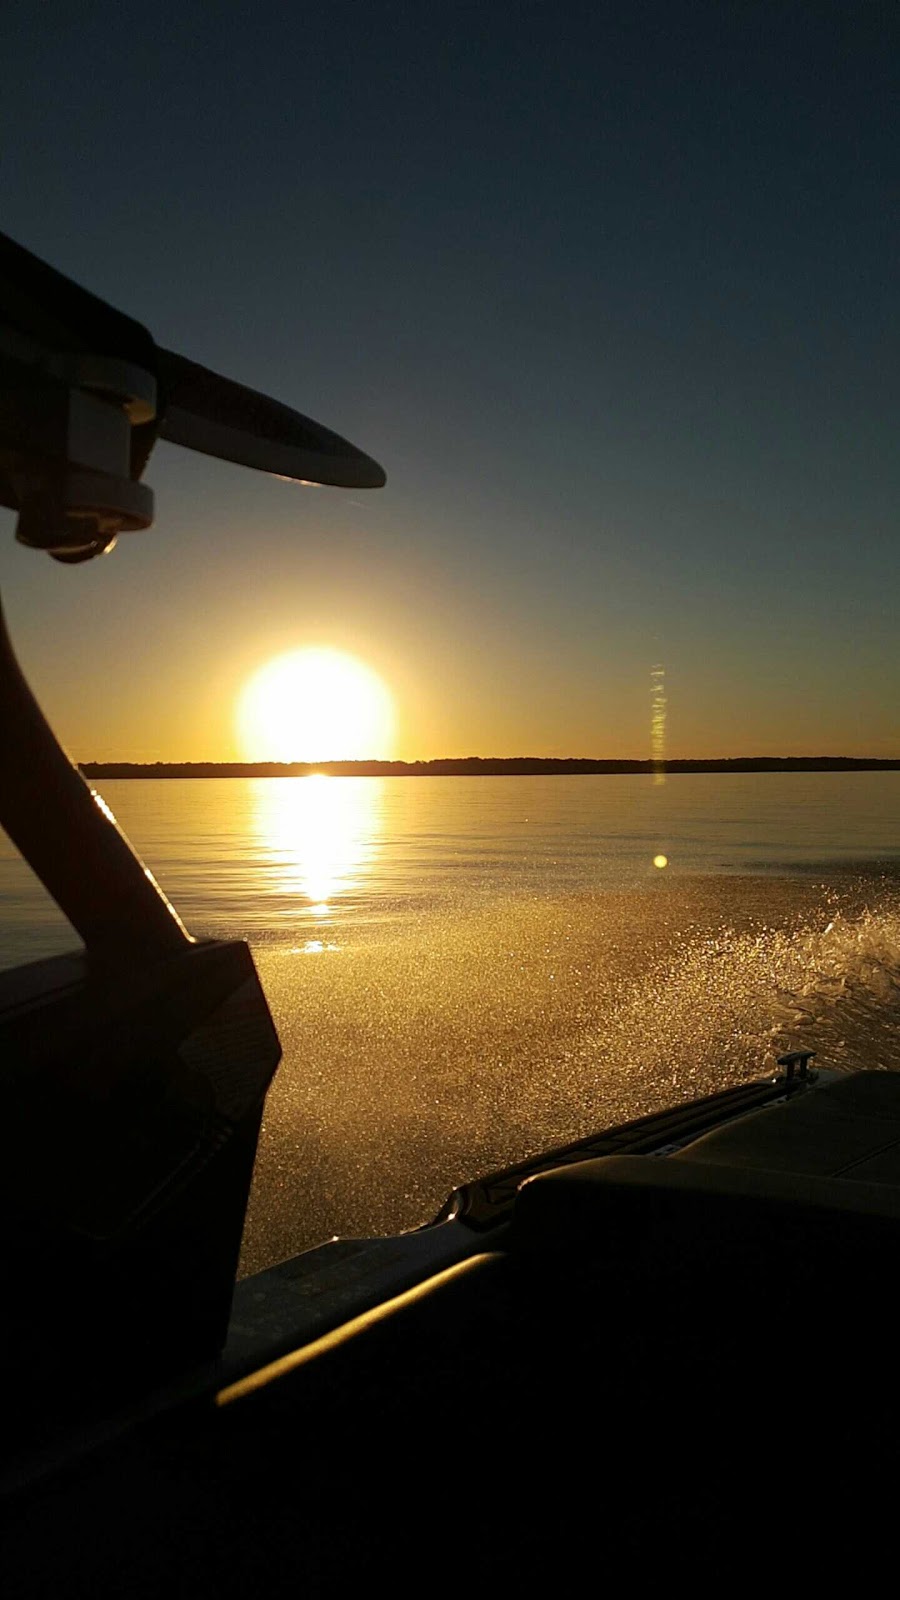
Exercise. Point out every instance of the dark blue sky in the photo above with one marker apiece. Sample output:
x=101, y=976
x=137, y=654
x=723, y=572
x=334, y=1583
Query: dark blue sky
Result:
x=610, y=290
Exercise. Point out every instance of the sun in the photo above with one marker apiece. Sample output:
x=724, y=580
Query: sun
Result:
x=315, y=705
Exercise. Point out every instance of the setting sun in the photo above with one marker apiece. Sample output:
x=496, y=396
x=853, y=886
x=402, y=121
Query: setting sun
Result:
x=315, y=705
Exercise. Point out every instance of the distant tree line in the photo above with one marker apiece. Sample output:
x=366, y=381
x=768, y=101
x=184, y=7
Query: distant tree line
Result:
x=474, y=766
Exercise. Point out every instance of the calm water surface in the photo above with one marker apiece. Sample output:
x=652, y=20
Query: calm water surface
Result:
x=464, y=970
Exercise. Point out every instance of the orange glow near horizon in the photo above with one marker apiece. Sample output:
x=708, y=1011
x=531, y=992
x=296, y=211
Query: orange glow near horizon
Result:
x=315, y=705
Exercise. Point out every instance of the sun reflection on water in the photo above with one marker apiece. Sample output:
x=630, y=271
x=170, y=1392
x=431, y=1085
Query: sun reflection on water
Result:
x=319, y=836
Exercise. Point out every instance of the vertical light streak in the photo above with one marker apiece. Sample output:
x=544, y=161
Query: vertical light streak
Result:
x=658, y=723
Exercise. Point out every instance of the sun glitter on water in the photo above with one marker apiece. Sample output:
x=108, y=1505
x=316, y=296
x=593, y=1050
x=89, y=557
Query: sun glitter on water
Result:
x=315, y=705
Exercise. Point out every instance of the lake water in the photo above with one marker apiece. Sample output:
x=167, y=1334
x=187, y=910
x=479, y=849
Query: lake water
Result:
x=466, y=970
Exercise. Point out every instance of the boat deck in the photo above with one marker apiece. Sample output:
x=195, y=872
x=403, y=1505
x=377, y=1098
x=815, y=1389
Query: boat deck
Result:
x=658, y=1355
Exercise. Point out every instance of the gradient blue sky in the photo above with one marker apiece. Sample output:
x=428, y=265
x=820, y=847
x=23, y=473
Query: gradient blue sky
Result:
x=610, y=290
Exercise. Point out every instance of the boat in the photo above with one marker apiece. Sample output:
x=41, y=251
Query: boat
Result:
x=664, y=1348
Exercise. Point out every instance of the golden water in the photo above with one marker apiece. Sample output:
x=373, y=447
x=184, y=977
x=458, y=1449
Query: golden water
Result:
x=465, y=971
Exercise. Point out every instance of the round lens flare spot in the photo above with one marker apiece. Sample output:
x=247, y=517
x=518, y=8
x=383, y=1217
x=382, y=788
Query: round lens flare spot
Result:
x=660, y=861
x=315, y=705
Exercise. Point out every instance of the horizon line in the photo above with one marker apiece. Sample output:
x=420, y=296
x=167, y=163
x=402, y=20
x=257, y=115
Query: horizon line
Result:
x=449, y=766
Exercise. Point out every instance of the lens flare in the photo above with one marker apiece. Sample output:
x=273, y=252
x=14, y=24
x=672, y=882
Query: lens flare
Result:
x=658, y=723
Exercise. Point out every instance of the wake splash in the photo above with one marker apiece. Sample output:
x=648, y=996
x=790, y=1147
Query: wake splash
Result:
x=423, y=1053
x=846, y=1000
x=727, y=1003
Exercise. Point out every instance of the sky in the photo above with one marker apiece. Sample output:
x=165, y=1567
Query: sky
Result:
x=610, y=290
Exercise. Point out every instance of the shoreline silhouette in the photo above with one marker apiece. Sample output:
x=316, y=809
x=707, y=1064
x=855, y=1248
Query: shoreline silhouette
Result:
x=479, y=766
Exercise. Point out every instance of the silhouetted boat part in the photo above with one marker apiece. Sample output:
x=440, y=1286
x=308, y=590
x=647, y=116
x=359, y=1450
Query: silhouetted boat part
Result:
x=86, y=394
x=642, y=1347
